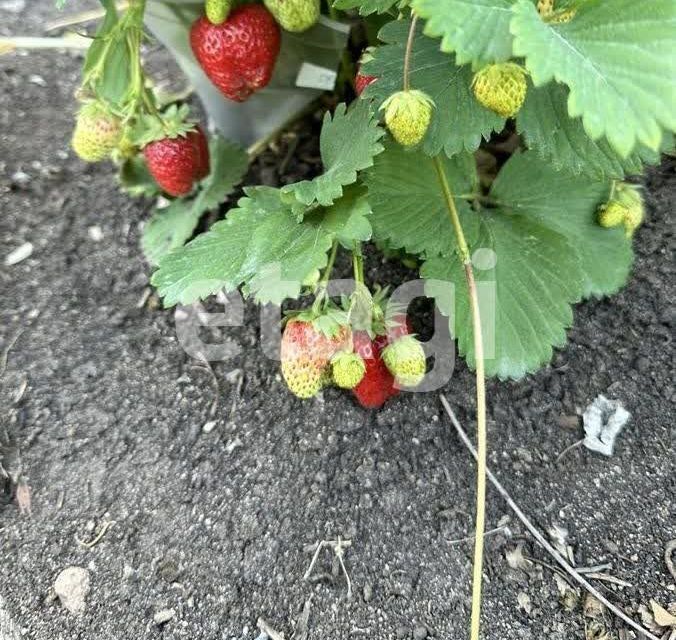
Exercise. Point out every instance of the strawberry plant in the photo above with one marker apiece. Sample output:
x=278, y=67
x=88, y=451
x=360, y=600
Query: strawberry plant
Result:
x=500, y=128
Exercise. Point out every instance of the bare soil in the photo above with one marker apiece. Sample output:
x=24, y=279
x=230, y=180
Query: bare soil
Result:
x=103, y=415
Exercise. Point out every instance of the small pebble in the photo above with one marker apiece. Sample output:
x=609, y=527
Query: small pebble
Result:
x=95, y=233
x=420, y=632
x=163, y=616
x=19, y=254
x=72, y=585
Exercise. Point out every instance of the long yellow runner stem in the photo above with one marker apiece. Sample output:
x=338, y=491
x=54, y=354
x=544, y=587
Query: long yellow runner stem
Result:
x=480, y=525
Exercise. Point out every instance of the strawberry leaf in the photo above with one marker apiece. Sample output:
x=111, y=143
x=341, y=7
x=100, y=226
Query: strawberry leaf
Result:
x=616, y=58
x=524, y=302
x=409, y=209
x=458, y=121
x=562, y=143
x=260, y=246
x=171, y=227
x=348, y=144
x=568, y=205
x=476, y=31
x=348, y=218
x=366, y=7
x=536, y=252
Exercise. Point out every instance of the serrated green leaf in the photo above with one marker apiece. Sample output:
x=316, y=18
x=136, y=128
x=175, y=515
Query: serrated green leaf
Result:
x=366, y=7
x=568, y=205
x=348, y=218
x=229, y=162
x=618, y=60
x=476, y=30
x=348, y=144
x=168, y=229
x=171, y=227
x=409, y=209
x=458, y=121
x=524, y=298
x=261, y=246
x=562, y=142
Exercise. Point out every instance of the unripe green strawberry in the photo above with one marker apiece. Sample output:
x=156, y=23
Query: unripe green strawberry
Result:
x=625, y=208
x=97, y=132
x=294, y=15
x=348, y=370
x=405, y=358
x=217, y=10
x=501, y=88
x=612, y=214
x=408, y=115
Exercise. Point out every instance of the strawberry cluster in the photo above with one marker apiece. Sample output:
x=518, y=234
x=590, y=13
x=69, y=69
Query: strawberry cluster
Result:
x=316, y=354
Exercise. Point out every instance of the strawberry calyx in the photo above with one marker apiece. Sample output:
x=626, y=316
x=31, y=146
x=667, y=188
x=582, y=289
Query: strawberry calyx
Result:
x=171, y=124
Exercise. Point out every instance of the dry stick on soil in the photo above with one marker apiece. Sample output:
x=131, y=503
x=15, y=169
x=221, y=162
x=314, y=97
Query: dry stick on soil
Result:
x=269, y=631
x=463, y=251
x=99, y=536
x=492, y=532
x=538, y=536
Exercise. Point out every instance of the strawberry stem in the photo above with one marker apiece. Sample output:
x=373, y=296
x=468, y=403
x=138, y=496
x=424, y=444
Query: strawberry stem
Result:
x=463, y=250
x=409, y=49
x=358, y=263
x=321, y=299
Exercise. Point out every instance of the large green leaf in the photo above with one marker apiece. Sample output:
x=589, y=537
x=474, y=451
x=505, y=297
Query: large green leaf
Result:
x=524, y=298
x=476, y=30
x=171, y=227
x=409, y=209
x=262, y=246
x=348, y=143
x=562, y=142
x=567, y=204
x=459, y=121
x=538, y=250
x=618, y=59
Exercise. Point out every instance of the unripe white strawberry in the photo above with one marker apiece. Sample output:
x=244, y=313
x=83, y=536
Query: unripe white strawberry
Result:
x=407, y=115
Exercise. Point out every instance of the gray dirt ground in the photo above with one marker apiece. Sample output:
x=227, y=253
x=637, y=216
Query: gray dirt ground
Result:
x=215, y=525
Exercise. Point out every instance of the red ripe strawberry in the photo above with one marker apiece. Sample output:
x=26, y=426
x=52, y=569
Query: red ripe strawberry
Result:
x=238, y=55
x=377, y=385
x=177, y=163
x=306, y=353
x=362, y=81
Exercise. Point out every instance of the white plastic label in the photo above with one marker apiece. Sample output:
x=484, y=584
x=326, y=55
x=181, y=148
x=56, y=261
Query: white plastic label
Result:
x=312, y=76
